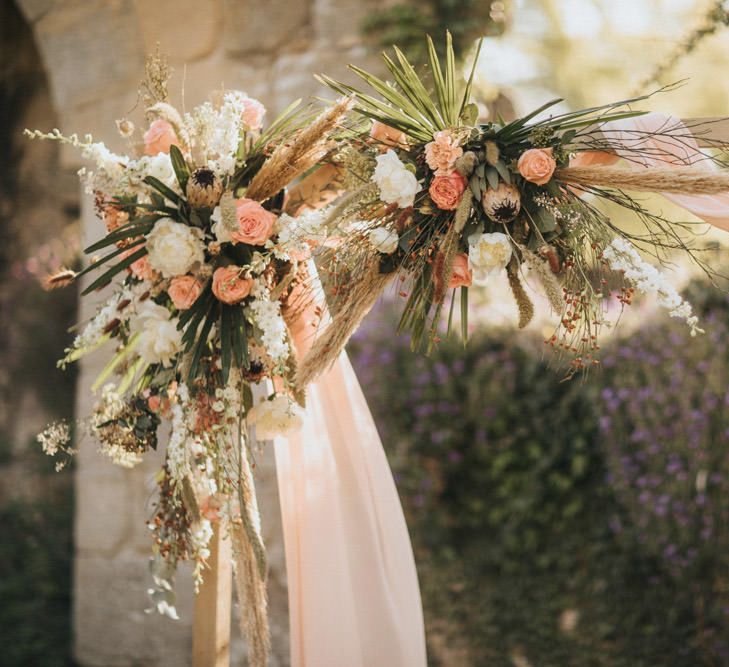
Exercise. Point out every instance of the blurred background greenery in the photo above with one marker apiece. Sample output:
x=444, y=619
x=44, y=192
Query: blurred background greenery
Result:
x=555, y=523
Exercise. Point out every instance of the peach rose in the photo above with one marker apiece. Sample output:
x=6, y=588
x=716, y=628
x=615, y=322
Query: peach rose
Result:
x=461, y=273
x=228, y=285
x=255, y=223
x=184, y=291
x=253, y=113
x=114, y=218
x=537, y=165
x=140, y=268
x=159, y=137
x=441, y=153
x=389, y=136
x=154, y=403
x=446, y=191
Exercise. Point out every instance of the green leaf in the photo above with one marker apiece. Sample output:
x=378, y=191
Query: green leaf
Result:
x=106, y=258
x=127, y=231
x=158, y=185
x=503, y=171
x=469, y=114
x=202, y=341
x=105, y=279
x=240, y=337
x=200, y=304
x=182, y=171
x=226, y=343
x=465, y=101
x=464, y=314
x=492, y=176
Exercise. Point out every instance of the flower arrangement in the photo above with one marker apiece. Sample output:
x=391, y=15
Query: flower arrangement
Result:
x=203, y=264
x=444, y=202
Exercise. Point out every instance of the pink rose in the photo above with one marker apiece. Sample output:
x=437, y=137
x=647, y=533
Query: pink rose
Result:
x=446, y=191
x=461, y=273
x=228, y=285
x=537, y=165
x=253, y=113
x=387, y=135
x=184, y=291
x=159, y=137
x=441, y=153
x=255, y=223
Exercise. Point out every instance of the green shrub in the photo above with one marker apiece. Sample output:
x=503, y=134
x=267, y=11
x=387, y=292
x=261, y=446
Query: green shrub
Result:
x=528, y=543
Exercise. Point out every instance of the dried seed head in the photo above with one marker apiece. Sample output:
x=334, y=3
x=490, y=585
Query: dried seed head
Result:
x=502, y=204
x=466, y=163
x=492, y=152
x=125, y=127
x=204, y=189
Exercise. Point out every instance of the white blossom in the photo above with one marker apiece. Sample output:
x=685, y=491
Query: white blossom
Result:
x=488, y=255
x=383, y=240
x=622, y=256
x=276, y=417
x=397, y=184
x=175, y=248
x=158, y=340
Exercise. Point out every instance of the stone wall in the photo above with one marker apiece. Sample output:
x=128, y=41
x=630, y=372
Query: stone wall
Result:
x=93, y=51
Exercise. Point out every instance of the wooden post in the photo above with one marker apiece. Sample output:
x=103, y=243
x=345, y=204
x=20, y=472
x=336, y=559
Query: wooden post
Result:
x=211, y=616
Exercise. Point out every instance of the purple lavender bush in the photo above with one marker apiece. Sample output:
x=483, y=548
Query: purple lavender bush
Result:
x=563, y=523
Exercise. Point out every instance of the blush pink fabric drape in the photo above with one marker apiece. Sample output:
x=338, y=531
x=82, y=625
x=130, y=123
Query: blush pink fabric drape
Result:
x=675, y=147
x=354, y=599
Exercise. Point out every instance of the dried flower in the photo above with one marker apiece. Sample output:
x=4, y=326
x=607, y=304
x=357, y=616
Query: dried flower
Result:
x=466, y=163
x=502, y=204
x=125, y=127
x=204, y=189
x=492, y=152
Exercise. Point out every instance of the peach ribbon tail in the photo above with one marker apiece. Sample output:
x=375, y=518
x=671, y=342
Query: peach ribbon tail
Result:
x=354, y=599
x=672, y=147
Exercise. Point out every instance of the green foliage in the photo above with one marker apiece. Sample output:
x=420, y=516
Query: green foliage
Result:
x=405, y=23
x=35, y=574
x=528, y=543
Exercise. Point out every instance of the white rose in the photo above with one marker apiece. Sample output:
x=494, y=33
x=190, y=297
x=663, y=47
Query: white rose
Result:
x=159, y=166
x=383, y=240
x=488, y=254
x=174, y=248
x=159, y=340
x=276, y=417
x=397, y=185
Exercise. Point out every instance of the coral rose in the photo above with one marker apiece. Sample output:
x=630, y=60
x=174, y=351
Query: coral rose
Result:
x=446, y=191
x=255, y=223
x=461, y=273
x=228, y=285
x=184, y=291
x=537, y=165
x=389, y=136
x=441, y=153
x=159, y=137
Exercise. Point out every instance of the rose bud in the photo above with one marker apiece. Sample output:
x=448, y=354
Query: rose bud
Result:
x=502, y=204
x=204, y=189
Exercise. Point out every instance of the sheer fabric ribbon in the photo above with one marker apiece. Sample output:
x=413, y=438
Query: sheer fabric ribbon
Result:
x=674, y=147
x=354, y=599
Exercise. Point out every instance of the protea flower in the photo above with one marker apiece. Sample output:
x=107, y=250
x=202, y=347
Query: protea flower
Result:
x=204, y=189
x=502, y=204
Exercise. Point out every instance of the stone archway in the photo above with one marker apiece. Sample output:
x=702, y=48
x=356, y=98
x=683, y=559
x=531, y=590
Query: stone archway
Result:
x=93, y=51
